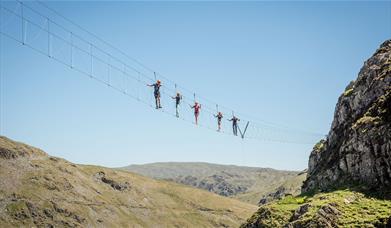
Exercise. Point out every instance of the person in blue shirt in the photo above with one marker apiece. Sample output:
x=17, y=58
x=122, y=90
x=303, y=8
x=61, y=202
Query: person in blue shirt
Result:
x=235, y=124
x=177, y=99
x=156, y=93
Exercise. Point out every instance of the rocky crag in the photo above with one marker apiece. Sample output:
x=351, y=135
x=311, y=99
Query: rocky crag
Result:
x=357, y=150
x=349, y=172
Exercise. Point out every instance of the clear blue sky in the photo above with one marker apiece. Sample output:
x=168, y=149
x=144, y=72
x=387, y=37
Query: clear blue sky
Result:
x=283, y=62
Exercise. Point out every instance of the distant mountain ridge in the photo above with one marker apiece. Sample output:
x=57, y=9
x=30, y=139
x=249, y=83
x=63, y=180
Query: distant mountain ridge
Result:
x=248, y=184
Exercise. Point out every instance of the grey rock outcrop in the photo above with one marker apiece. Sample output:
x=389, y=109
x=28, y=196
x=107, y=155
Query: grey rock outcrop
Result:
x=278, y=194
x=101, y=176
x=357, y=149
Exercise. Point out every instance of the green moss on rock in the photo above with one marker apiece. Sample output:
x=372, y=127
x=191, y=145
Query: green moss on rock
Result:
x=348, y=92
x=319, y=146
x=365, y=120
x=342, y=208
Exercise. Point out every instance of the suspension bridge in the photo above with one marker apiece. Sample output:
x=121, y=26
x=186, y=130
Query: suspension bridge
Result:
x=35, y=25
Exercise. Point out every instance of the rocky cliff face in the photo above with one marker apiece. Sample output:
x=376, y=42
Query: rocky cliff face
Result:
x=357, y=149
x=356, y=153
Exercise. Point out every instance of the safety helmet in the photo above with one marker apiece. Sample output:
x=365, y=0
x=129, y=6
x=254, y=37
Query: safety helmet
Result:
x=158, y=81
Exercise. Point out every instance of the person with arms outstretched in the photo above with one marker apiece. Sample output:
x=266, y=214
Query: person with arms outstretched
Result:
x=219, y=117
x=197, y=108
x=156, y=93
x=177, y=99
x=235, y=125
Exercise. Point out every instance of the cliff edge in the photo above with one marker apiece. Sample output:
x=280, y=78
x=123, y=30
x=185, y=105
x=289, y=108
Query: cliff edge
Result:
x=357, y=150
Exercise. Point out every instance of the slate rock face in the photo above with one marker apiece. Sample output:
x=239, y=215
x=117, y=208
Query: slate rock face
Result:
x=357, y=149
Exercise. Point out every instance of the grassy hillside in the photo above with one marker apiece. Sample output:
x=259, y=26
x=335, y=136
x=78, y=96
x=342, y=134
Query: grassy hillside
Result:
x=248, y=184
x=39, y=190
x=339, y=208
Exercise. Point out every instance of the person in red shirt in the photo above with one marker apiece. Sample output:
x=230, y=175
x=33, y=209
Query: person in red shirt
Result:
x=197, y=108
